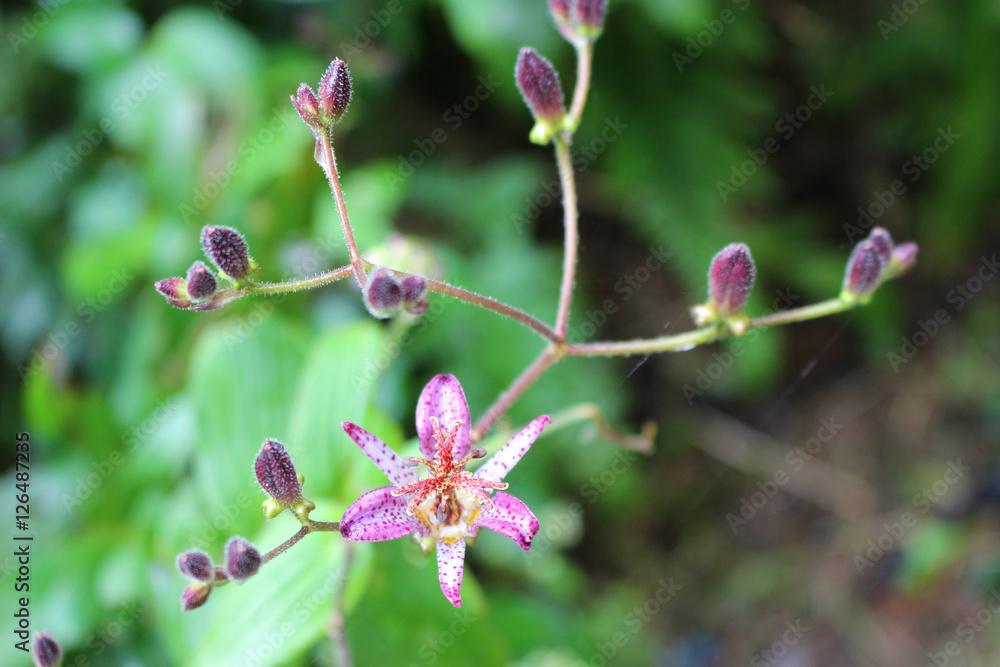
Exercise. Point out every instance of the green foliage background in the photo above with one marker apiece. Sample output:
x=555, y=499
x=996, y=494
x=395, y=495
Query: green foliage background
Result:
x=125, y=127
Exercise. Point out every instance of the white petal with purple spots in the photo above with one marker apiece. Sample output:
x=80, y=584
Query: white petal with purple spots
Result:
x=378, y=516
x=451, y=566
x=381, y=455
x=444, y=399
x=507, y=456
x=512, y=518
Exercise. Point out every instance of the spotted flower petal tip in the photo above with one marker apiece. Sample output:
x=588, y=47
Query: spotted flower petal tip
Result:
x=450, y=504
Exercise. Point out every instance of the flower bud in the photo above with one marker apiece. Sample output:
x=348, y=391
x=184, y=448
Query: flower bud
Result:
x=46, y=651
x=334, y=92
x=196, y=566
x=883, y=244
x=538, y=82
x=383, y=295
x=308, y=106
x=278, y=478
x=242, y=559
x=414, y=289
x=201, y=283
x=730, y=278
x=228, y=251
x=194, y=595
x=174, y=290
x=864, y=268
x=590, y=14
x=903, y=258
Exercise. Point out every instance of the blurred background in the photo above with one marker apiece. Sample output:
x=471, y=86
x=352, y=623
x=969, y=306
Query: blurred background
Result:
x=824, y=494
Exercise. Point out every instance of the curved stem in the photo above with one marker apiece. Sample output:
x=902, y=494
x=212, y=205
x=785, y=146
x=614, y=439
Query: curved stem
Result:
x=330, y=166
x=496, y=306
x=584, y=56
x=571, y=238
x=551, y=355
x=299, y=285
x=221, y=578
x=821, y=309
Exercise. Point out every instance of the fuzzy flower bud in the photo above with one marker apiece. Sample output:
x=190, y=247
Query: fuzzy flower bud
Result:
x=903, y=257
x=242, y=559
x=228, y=251
x=579, y=20
x=46, y=651
x=334, y=92
x=590, y=14
x=201, y=283
x=277, y=476
x=196, y=566
x=730, y=278
x=883, y=244
x=194, y=595
x=383, y=295
x=307, y=105
x=864, y=268
x=538, y=82
x=414, y=291
x=174, y=290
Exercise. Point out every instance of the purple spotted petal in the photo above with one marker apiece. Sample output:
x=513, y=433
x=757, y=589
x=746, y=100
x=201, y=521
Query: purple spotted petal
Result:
x=381, y=455
x=507, y=456
x=512, y=518
x=443, y=398
x=451, y=566
x=378, y=516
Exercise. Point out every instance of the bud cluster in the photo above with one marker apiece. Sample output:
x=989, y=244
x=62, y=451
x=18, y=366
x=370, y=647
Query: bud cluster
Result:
x=730, y=278
x=242, y=560
x=321, y=112
x=874, y=260
x=385, y=295
x=227, y=250
x=579, y=20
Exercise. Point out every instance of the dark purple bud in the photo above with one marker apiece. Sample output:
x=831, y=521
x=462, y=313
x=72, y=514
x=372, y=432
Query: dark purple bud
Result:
x=201, y=283
x=591, y=15
x=242, y=559
x=904, y=256
x=334, y=92
x=383, y=295
x=730, y=278
x=307, y=105
x=276, y=474
x=46, y=651
x=194, y=596
x=413, y=289
x=864, y=268
x=174, y=290
x=227, y=249
x=196, y=566
x=538, y=82
x=883, y=244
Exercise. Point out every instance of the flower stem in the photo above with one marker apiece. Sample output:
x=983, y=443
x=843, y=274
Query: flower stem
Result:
x=330, y=166
x=496, y=306
x=299, y=285
x=821, y=309
x=221, y=579
x=571, y=240
x=584, y=56
x=527, y=378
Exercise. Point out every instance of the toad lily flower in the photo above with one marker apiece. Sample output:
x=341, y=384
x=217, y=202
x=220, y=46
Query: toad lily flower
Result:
x=452, y=503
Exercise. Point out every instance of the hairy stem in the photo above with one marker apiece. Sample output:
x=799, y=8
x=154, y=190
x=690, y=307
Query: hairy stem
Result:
x=527, y=378
x=584, y=56
x=299, y=285
x=221, y=578
x=571, y=240
x=330, y=167
x=496, y=306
